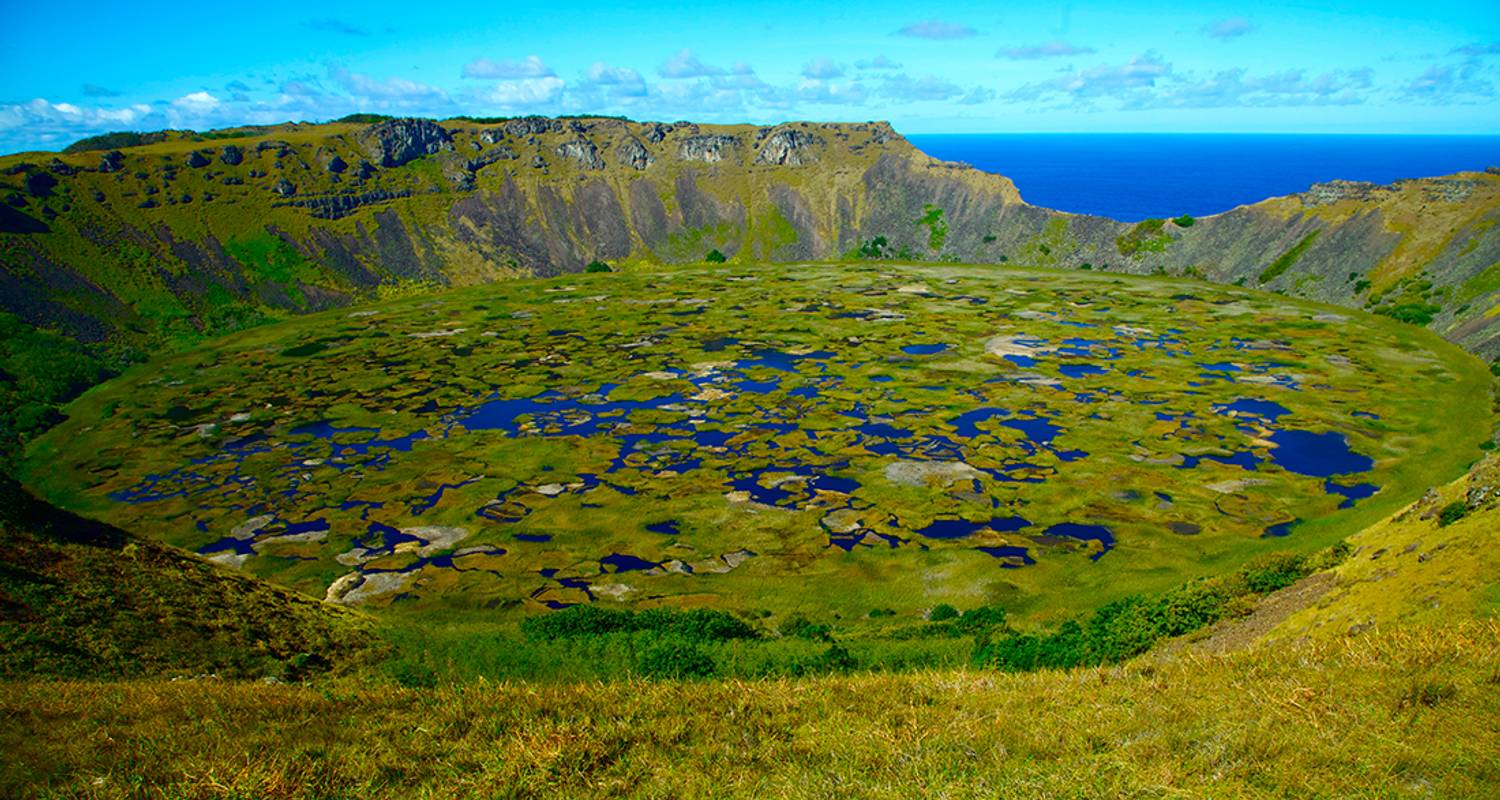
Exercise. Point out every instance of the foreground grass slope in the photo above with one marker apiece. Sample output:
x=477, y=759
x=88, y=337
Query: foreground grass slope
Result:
x=1406, y=707
x=1399, y=714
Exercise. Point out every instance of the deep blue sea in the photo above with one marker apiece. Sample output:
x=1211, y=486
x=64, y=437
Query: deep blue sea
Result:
x=1130, y=176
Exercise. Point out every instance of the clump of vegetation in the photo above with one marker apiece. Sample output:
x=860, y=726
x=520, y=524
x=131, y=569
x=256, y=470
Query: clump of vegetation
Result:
x=798, y=626
x=1184, y=221
x=1412, y=313
x=365, y=118
x=714, y=257
x=598, y=266
x=1147, y=236
x=1453, y=512
x=937, y=227
x=942, y=612
x=1130, y=626
x=675, y=658
x=870, y=250
x=39, y=372
x=698, y=625
x=115, y=140
x=1287, y=259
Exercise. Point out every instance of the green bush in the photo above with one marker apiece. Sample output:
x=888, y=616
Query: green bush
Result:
x=1451, y=513
x=714, y=257
x=942, y=611
x=799, y=627
x=675, y=658
x=1412, y=313
x=598, y=266
x=1274, y=571
x=1184, y=221
x=980, y=619
x=586, y=621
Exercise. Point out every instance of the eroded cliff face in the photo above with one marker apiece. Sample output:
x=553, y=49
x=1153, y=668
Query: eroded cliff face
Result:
x=197, y=234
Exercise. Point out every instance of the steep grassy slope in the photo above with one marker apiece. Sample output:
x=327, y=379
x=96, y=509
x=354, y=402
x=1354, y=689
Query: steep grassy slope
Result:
x=163, y=242
x=83, y=599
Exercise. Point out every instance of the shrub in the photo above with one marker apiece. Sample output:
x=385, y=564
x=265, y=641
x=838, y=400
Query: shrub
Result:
x=1411, y=313
x=714, y=257
x=800, y=627
x=1451, y=513
x=699, y=624
x=983, y=618
x=1184, y=221
x=941, y=612
x=598, y=266
x=1273, y=571
x=675, y=658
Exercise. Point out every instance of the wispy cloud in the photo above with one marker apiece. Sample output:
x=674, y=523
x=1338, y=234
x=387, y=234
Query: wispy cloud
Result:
x=1478, y=49
x=95, y=90
x=937, y=29
x=927, y=87
x=822, y=69
x=528, y=67
x=331, y=25
x=878, y=62
x=686, y=65
x=1229, y=28
x=1045, y=50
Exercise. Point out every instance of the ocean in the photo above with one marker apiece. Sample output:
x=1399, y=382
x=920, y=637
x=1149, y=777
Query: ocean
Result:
x=1131, y=176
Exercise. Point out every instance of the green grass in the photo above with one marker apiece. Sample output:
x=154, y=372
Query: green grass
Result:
x=1285, y=261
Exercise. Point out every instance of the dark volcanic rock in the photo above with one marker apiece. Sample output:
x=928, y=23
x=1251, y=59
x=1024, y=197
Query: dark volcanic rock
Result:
x=39, y=184
x=197, y=159
x=231, y=155
x=709, y=148
x=337, y=165
x=113, y=161
x=583, y=151
x=538, y=162
x=59, y=167
x=363, y=169
x=285, y=188
x=632, y=152
x=398, y=141
x=279, y=148
x=342, y=205
x=789, y=147
x=656, y=132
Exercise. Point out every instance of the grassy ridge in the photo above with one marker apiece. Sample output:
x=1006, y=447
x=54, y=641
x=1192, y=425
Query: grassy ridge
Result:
x=1406, y=713
x=81, y=598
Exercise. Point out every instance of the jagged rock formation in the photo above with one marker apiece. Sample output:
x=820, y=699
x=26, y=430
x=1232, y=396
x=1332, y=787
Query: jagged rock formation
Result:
x=100, y=245
x=398, y=141
x=788, y=147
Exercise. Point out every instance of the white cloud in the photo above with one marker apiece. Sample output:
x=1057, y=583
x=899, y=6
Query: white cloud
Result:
x=842, y=93
x=928, y=87
x=524, y=93
x=196, y=103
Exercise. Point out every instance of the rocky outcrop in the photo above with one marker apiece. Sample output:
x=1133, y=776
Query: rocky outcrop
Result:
x=532, y=126
x=284, y=188
x=113, y=161
x=789, y=147
x=342, y=205
x=198, y=159
x=582, y=151
x=488, y=157
x=708, y=148
x=398, y=141
x=634, y=154
x=231, y=155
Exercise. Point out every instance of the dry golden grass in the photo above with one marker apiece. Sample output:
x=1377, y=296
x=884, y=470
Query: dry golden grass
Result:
x=1406, y=712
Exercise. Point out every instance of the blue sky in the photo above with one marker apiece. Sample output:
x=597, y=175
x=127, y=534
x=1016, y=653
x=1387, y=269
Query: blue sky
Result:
x=69, y=70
